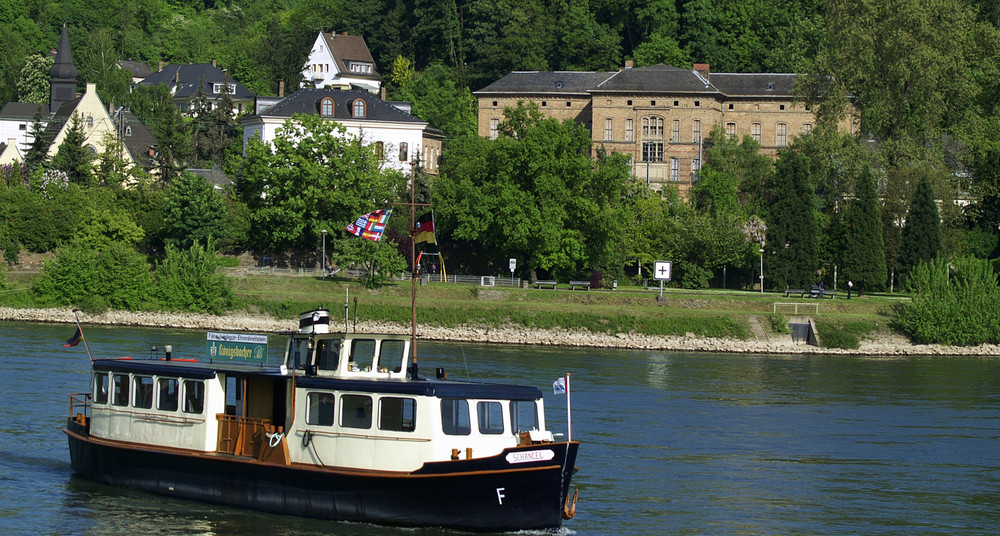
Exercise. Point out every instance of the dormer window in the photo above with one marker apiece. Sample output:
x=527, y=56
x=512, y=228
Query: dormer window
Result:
x=224, y=88
x=358, y=108
x=326, y=107
x=128, y=131
x=356, y=67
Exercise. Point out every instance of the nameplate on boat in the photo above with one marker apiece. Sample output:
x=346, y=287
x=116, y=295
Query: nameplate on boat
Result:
x=528, y=456
x=236, y=347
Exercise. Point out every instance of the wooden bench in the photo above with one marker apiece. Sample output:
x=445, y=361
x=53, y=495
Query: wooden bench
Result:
x=574, y=284
x=790, y=291
x=546, y=283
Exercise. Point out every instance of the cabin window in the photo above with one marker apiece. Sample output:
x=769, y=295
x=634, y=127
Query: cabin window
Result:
x=101, y=388
x=120, y=386
x=143, y=392
x=490, y=417
x=298, y=352
x=362, y=353
x=167, y=394
x=523, y=416
x=455, y=417
x=356, y=411
x=397, y=414
x=390, y=356
x=328, y=354
x=320, y=409
x=194, y=396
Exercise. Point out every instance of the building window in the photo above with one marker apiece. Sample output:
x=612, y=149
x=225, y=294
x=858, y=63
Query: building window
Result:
x=194, y=396
x=806, y=128
x=652, y=136
x=730, y=106
x=326, y=107
x=697, y=103
x=781, y=106
x=675, y=169
x=609, y=133
x=652, y=127
x=781, y=135
x=490, y=417
x=695, y=168
x=755, y=131
x=167, y=389
x=568, y=103
x=677, y=103
x=731, y=129
x=356, y=411
x=630, y=102
x=494, y=128
x=696, y=131
x=128, y=131
x=119, y=389
x=143, y=392
x=652, y=151
x=90, y=121
x=101, y=388
x=380, y=150
x=455, y=417
x=319, y=409
x=22, y=126
x=652, y=103
x=397, y=414
x=629, y=130
x=675, y=130
x=359, y=108
x=404, y=152
x=523, y=416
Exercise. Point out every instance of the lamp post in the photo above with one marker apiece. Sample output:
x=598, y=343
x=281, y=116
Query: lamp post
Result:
x=324, y=253
x=761, y=268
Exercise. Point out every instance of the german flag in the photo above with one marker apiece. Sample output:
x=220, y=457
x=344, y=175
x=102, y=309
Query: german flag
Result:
x=423, y=231
x=75, y=339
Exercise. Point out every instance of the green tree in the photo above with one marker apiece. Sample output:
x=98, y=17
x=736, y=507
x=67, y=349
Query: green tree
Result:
x=192, y=212
x=864, y=255
x=189, y=280
x=438, y=99
x=791, y=244
x=72, y=157
x=38, y=152
x=661, y=48
x=33, y=83
x=84, y=272
x=174, y=149
x=921, y=237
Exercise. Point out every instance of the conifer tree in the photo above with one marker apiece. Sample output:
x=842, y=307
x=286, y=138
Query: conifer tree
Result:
x=37, y=154
x=921, y=239
x=72, y=157
x=792, y=247
x=864, y=254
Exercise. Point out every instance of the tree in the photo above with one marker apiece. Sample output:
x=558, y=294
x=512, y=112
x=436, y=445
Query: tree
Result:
x=72, y=157
x=173, y=137
x=189, y=280
x=38, y=153
x=438, y=99
x=112, y=167
x=661, y=48
x=192, y=212
x=33, y=83
x=791, y=244
x=313, y=177
x=864, y=255
x=921, y=239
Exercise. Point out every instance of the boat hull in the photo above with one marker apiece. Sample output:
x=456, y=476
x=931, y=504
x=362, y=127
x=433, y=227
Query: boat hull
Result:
x=511, y=491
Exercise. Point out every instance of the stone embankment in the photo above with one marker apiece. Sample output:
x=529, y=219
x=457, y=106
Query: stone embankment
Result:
x=884, y=344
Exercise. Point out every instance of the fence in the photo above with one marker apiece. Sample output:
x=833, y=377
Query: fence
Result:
x=479, y=280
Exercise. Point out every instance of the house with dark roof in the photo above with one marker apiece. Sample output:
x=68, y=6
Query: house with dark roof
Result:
x=139, y=70
x=341, y=61
x=16, y=122
x=658, y=115
x=403, y=139
x=186, y=82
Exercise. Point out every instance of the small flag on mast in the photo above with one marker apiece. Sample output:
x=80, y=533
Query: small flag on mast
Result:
x=75, y=339
x=559, y=386
x=423, y=230
x=371, y=225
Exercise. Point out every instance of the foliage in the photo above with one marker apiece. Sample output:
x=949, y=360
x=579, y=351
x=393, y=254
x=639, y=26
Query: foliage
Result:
x=864, y=256
x=438, y=99
x=112, y=168
x=72, y=157
x=112, y=270
x=37, y=154
x=33, y=82
x=314, y=177
x=729, y=161
x=174, y=148
x=832, y=335
x=40, y=219
x=921, y=238
x=791, y=254
x=192, y=212
x=779, y=323
x=103, y=225
x=189, y=280
x=953, y=303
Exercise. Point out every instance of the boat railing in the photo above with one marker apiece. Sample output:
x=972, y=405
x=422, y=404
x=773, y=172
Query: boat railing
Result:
x=242, y=436
x=79, y=408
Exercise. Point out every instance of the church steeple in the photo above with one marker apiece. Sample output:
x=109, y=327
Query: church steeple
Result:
x=63, y=73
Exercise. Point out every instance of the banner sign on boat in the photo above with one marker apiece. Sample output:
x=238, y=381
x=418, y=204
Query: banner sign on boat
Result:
x=237, y=347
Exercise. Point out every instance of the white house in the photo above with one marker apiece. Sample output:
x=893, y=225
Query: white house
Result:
x=403, y=138
x=16, y=123
x=341, y=61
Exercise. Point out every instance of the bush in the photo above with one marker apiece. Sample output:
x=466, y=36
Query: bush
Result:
x=779, y=323
x=188, y=280
x=834, y=336
x=954, y=303
x=111, y=270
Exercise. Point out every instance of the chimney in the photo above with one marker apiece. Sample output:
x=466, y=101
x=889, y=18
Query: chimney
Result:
x=213, y=62
x=281, y=88
x=160, y=68
x=345, y=32
x=629, y=64
x=177, y=76
x=381, y=93
x=703, y=70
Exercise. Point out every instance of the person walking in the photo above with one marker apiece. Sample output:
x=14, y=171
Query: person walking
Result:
x=850, y=285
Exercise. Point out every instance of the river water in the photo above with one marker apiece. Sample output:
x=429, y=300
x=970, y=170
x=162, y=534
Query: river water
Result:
x=672, y=443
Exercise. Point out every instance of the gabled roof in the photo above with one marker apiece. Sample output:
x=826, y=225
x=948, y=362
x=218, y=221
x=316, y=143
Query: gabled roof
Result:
x=185, y=80
x=657, y=79
x=23, y=110
x=547, y=82
x=137, y=68
x=307, y=101
x=755, y=84
x=137, y=138
x=347, y=48
x=61, y=117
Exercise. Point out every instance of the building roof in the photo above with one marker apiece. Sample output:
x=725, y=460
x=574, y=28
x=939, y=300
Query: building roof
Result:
x=347, y=48
x=215, y=176
x=547, y=82
x=23, y=110
x=307, y=101
x=185, y=80
x=755, y=84
x=63, y=68
x=137, y=68
x=136, y=137
x=657, y=79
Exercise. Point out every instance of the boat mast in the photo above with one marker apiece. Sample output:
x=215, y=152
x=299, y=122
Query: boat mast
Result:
x=413, y=271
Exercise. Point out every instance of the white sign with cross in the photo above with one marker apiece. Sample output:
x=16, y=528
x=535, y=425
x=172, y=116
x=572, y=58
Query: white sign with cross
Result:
x=661, y=270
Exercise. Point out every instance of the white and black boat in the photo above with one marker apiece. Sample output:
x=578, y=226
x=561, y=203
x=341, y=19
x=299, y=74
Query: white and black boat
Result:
x=344, y=429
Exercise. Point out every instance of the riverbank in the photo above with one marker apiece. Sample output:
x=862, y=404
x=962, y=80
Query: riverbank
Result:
x=882, y=344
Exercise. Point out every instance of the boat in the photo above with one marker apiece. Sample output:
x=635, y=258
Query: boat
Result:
x=344, y=428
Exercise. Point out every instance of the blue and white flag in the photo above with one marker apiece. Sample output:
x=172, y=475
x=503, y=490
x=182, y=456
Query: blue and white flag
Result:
x=559, y=386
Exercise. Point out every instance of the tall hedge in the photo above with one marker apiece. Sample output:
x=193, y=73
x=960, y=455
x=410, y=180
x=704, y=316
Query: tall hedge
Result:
x=955, y=303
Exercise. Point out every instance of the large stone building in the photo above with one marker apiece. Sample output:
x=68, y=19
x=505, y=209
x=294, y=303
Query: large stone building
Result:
x=658, y=115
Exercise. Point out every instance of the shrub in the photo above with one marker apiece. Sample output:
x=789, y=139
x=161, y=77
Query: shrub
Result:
x=834, y=336
x=954, y=303
x=188, y=280
x=112, y=270
x=779, y=323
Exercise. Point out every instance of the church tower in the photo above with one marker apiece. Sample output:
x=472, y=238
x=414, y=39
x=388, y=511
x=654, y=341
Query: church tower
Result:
x=63, y=74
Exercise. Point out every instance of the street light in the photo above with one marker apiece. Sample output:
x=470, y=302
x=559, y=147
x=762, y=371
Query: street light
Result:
x=761, y=268
x=324, y=253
